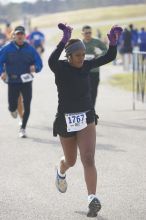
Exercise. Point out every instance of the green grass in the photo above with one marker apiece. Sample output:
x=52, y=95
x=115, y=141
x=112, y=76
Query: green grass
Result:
x=90, y=15
x=122, y=80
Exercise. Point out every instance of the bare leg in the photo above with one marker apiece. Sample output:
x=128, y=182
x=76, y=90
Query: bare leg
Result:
x=86, y=140
x=20, y=107
x=69, y=146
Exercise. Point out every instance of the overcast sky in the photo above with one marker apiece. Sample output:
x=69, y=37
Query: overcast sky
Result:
x=18, y=1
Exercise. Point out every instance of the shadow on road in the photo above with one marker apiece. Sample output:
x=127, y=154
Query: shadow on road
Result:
x=44, y=141
x=131, y=110
x=85, y=214
x=39, y=140
x=40, y=127
x=120, y=125
x=108, y=147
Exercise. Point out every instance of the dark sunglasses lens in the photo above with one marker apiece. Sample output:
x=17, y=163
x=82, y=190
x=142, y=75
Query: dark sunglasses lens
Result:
x=87, y=32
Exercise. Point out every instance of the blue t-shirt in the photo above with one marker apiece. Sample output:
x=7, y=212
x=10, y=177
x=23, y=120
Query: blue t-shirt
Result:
x=36, y=38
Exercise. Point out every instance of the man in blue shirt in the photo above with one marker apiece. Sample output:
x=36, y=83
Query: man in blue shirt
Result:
x=18, y=60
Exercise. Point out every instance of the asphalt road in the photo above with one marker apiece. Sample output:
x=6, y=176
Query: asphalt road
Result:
x=27, y=189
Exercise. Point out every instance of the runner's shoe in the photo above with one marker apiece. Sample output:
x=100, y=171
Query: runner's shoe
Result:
x=94, y=207
x=14, y=114
x=20, y=123
x=22, y=133
x=60, y=182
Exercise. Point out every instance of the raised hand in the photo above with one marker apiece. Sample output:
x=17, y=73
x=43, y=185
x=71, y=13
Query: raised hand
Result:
x=61, y=26
x=66, y=32
x=114, y=35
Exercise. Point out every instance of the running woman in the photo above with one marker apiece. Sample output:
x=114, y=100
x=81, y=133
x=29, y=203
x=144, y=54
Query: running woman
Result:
x=19, y=60
x=75, y=118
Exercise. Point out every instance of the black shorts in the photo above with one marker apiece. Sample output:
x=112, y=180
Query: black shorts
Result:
x=60, y=126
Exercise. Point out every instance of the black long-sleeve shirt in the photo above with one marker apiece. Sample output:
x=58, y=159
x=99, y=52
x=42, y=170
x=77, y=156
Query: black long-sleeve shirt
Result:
x=73, y=84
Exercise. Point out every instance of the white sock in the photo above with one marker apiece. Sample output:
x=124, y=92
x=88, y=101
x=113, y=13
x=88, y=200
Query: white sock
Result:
x=61, y=174
x=91, y=197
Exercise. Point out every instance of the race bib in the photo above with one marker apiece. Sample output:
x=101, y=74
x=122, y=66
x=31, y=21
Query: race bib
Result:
x=89, y=56
x=36, y=37
x=27, y=77
x=98, y=51
x=75, y=121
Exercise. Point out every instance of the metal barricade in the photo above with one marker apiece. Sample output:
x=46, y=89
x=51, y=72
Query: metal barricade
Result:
x=139, y=77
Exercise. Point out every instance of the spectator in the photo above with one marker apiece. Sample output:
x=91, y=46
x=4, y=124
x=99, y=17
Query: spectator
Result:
x=126, y=49
x=142, y=40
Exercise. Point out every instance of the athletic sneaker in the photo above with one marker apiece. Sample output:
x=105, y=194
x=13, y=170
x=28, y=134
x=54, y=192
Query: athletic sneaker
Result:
x=94, y=207
x=22, y=133
x=60, y=182
x=14, y=114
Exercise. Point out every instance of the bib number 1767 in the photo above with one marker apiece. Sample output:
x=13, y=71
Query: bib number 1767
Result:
x=75, y=121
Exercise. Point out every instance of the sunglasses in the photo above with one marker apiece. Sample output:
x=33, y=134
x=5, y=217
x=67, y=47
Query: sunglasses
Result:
x=20, y=33
x=89, y=32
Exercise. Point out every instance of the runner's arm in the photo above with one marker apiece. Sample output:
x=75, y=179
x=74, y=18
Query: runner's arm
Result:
x=2, y=61
x=37, y=62
x=54, y=57
x=108, y=57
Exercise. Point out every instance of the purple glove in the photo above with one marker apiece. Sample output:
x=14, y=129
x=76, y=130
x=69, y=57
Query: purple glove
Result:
x=114, y=35
x=66, y=32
